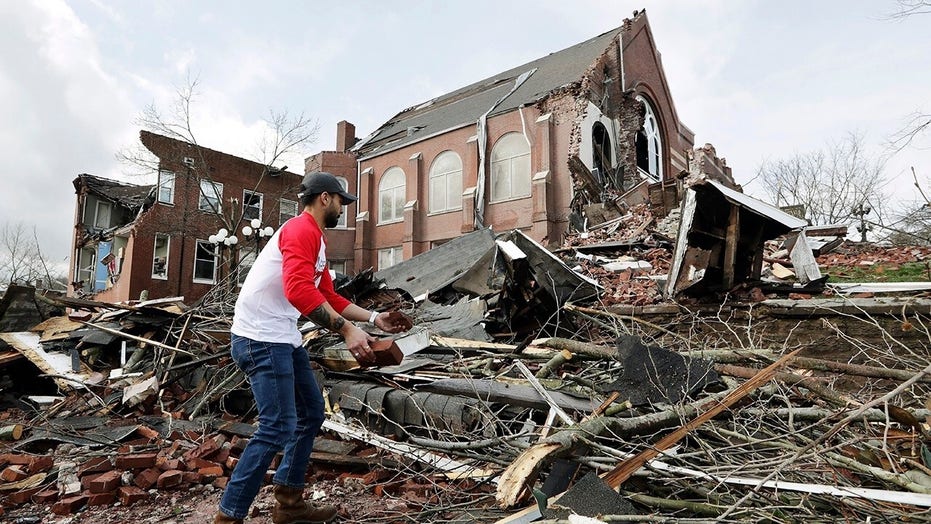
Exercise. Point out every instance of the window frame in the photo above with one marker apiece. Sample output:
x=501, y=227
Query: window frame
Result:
x=281, y=203
x=653, y=134
x=397, y=256
x=163, y=183
x=249, y=192
x=109, y=207
x=509, y=161
x=250, y=255
x=167, y=238
x=202, y=196
x=213, y=248
x=343, y=220
x=445, y=175
x=394, y=190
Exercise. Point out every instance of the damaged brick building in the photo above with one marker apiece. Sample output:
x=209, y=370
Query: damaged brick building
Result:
x=532, y=148
x=129, y=239
x=563, y=142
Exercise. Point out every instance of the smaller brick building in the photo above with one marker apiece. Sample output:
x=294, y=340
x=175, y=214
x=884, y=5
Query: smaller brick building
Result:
x=129, y=239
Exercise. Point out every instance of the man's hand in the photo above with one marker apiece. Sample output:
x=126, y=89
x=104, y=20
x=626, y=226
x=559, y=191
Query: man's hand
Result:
x=393, y=322
x=359, y=343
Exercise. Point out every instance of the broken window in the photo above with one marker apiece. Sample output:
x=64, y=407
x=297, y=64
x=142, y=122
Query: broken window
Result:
x=251, y=205
x=160, y=256
x=601, y=152
x=391, y=196
x=102, y=214
x=166, y=187
x=205, y=262
x=389, y=257
x=510, y=168
x=246, y=260
x=649, y=143
x=345, y=185
x=446, y=183
x=286, y=209
x=210, y=194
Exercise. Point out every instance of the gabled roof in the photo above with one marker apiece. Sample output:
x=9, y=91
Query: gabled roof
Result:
x=128, y=195
x=464, y=106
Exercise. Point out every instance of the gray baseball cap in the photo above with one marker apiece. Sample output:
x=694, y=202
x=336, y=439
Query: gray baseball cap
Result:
x=322, y=182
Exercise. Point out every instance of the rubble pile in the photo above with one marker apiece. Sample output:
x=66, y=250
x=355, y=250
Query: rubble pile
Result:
x=526, y=382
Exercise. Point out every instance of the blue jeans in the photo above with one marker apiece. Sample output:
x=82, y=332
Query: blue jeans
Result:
x=290, y=415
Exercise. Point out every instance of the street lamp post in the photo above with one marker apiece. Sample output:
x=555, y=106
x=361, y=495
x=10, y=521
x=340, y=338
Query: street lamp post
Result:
x=222, y=239
x=256, y=231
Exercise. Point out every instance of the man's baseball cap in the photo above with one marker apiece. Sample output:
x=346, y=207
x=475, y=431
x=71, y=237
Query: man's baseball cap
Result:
x=321, y=182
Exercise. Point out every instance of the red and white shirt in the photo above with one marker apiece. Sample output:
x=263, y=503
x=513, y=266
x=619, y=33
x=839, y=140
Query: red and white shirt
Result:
x=289, y=279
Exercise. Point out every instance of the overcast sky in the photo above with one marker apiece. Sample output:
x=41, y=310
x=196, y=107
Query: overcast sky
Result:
x=759, y=80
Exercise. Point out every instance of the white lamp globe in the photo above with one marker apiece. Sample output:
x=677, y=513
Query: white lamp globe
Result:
x=255, y=223
x=246, y=231
x=269, y=231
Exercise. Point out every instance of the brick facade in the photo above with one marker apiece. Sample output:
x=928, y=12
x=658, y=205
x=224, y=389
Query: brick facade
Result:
x=185, y=224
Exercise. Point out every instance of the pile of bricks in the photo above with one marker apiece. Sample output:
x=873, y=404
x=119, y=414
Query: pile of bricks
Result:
x=138, y=469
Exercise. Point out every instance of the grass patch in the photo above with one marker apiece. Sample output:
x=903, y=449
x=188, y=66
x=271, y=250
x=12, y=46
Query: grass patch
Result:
x=910, y=272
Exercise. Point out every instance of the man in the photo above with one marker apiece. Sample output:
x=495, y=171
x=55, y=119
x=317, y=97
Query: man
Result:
x=290, y=278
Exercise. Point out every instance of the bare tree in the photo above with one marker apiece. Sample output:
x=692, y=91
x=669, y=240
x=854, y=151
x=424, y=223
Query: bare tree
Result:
x=284, y=134
x=907, y=8
x=831, y=183
x=21, y=259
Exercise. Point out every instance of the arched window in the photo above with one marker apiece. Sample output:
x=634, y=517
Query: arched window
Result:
x=446, y=182
x=345, y=185
x=649, y=143
x=391, y=196
x=510, y=168
x=601, y=150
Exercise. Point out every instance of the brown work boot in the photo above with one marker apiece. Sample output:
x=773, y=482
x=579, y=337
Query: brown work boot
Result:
x=291, y=508
x=221, y=518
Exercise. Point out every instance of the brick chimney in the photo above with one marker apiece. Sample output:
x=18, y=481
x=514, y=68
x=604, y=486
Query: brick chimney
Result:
x=345, y=135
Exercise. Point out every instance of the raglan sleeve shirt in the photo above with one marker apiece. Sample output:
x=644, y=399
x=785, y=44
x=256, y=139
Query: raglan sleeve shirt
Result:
x=304, y=272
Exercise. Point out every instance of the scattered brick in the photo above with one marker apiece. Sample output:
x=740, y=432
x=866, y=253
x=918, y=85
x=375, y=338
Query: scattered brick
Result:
x=147, y=432
x=23, y=496
x=69, y=505
x=165, y=463
x=103, y=482
x=221, y=482
x=193, y=477
x=15, y=458
x=13, y=473
x=211, y=472
x=129, y=495
x=147, y=478
x=101, y=499
x=170, y=479
x=139, y=460
x=40, y=464
x=47, y=496
x=95, y=465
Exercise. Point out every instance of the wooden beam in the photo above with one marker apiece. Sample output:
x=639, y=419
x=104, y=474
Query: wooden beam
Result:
x=623, y=471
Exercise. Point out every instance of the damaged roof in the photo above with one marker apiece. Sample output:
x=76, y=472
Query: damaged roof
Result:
x=464, y=106
x=128, y=195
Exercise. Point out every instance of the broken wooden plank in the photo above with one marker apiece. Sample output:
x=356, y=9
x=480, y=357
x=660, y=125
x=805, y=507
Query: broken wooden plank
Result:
x=453, y=469
x=622, y=472
x=55, y=365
